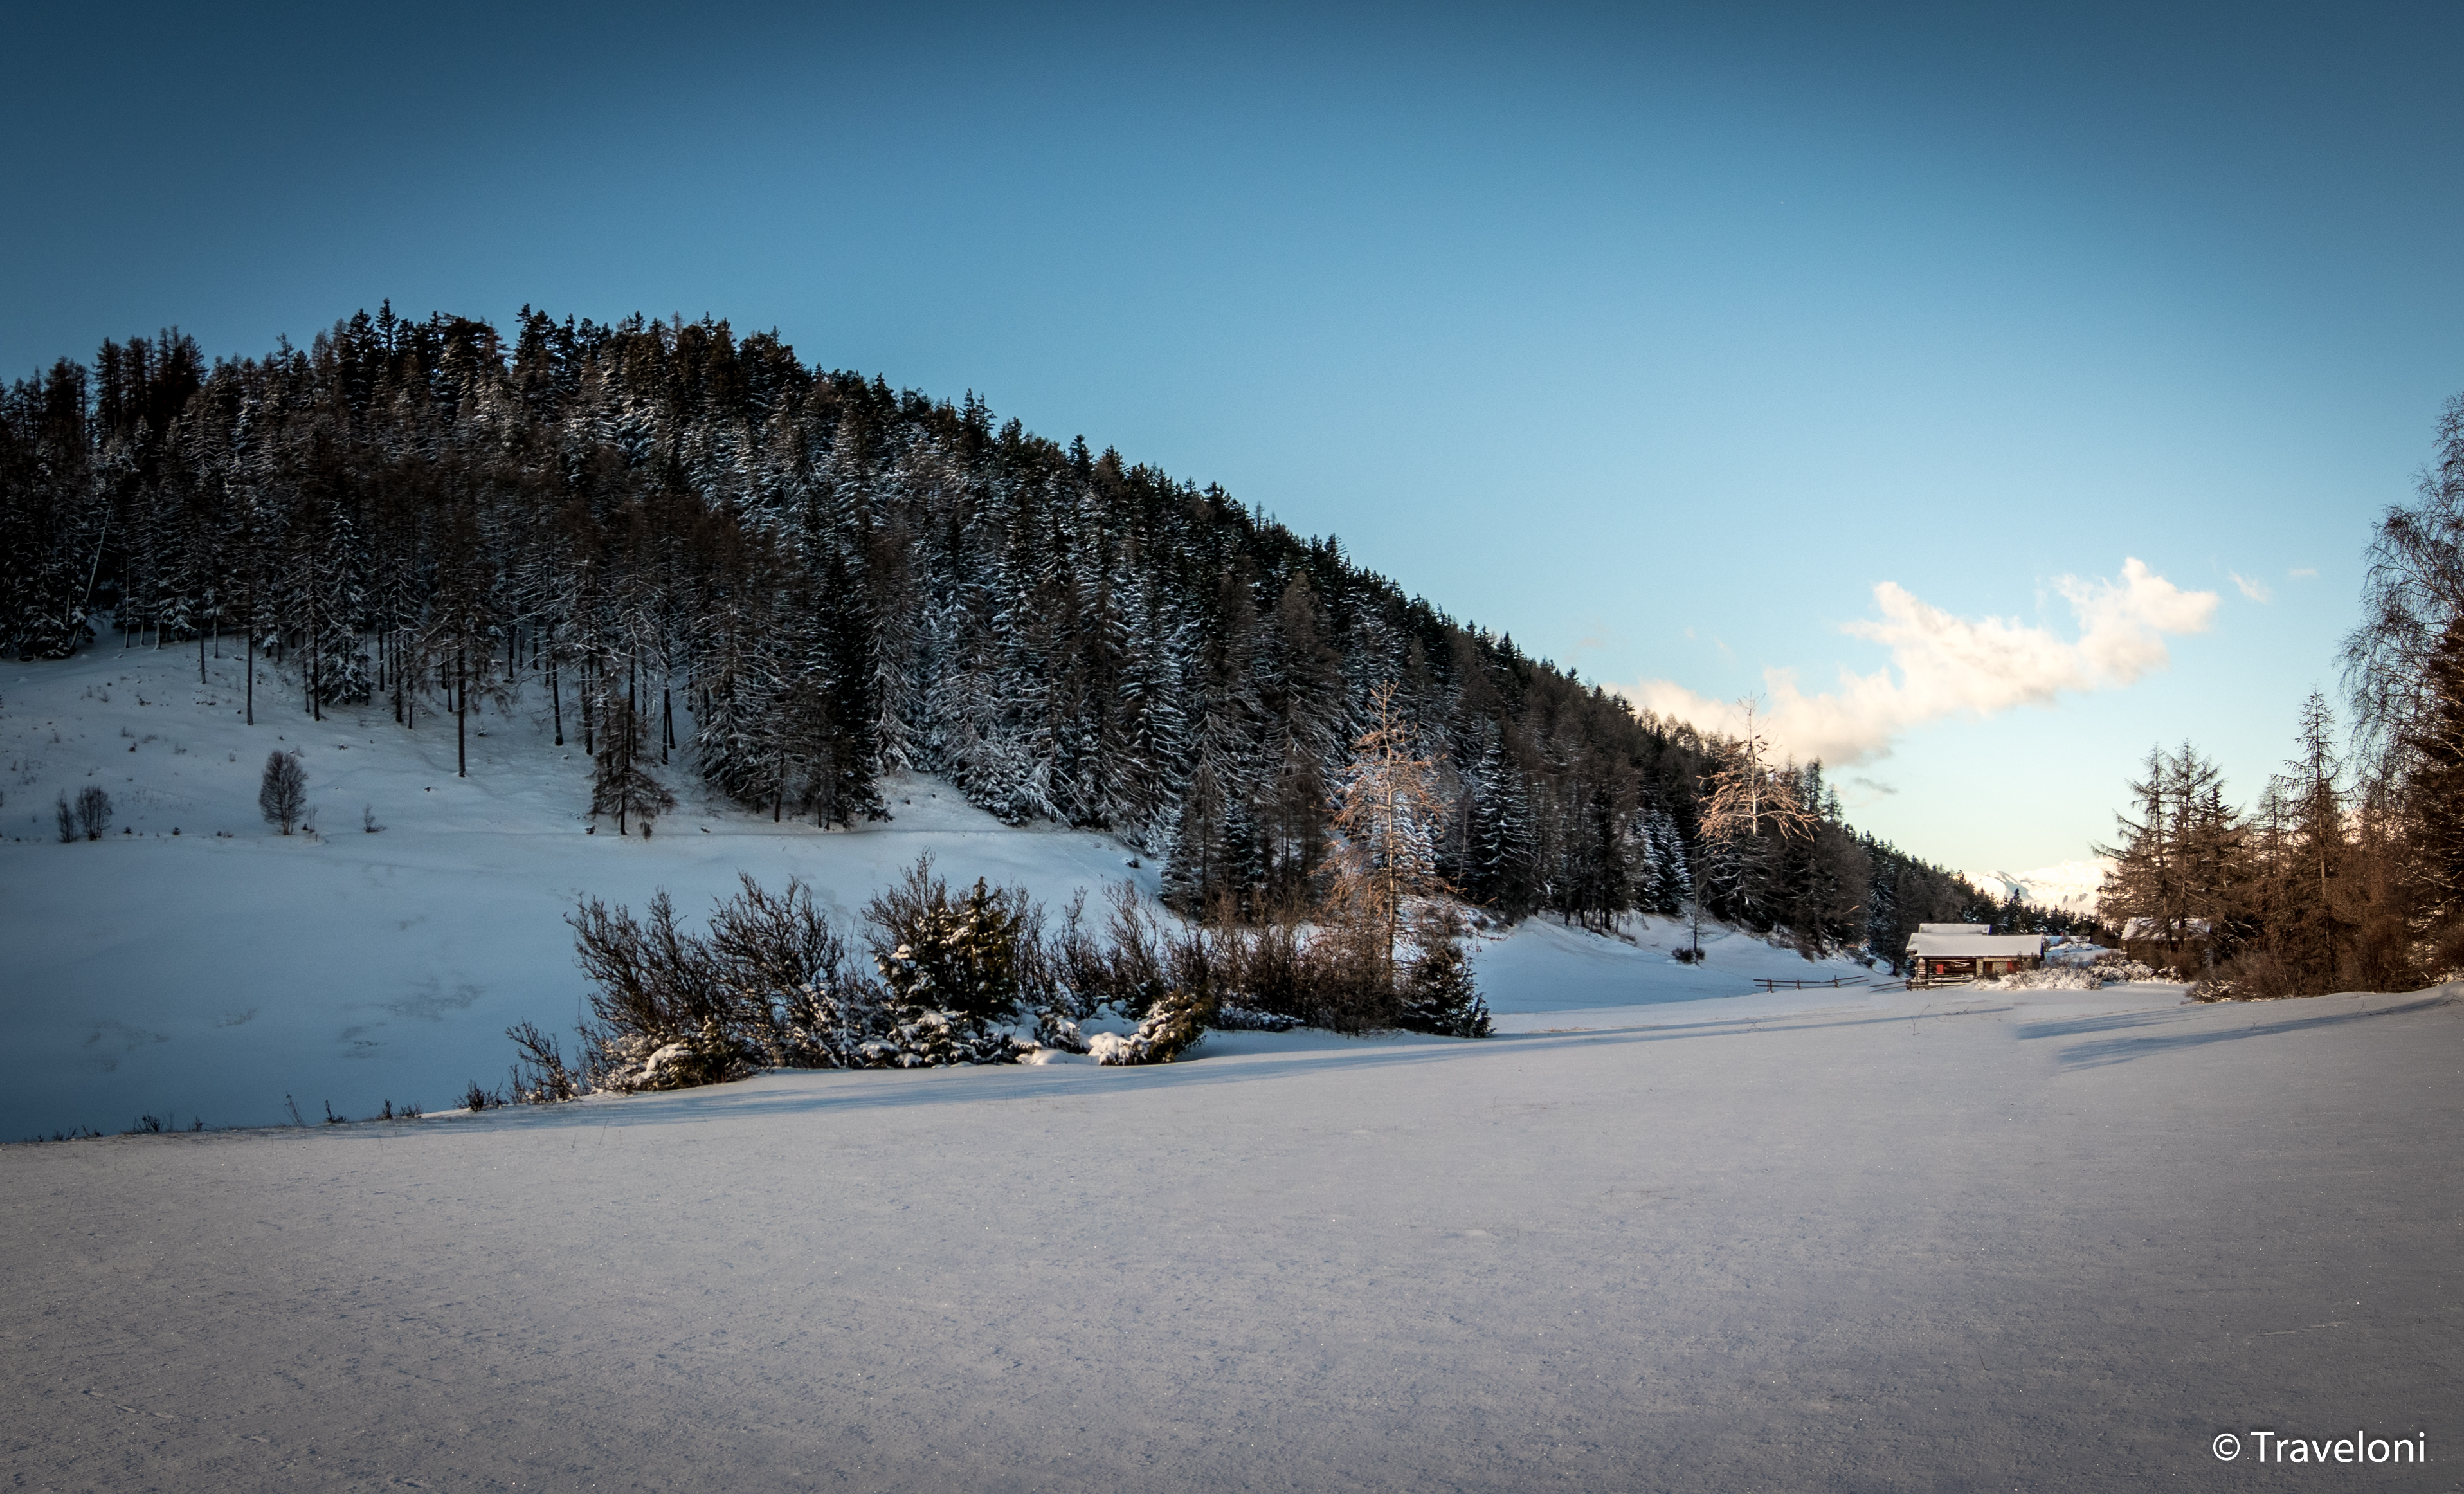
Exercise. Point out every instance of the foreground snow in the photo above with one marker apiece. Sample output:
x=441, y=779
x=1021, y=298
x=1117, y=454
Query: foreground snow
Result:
x=213, y=973
x=1932, y=1240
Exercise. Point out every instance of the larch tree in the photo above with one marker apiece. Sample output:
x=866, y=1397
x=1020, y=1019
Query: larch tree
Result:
x=1388, y=812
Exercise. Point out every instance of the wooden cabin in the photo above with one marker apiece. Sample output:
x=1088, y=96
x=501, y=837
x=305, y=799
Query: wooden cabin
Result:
x=1934, y=959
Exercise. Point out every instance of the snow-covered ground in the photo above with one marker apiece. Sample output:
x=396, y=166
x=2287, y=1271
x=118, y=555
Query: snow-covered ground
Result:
x=1924, y=1240
x=212, y=972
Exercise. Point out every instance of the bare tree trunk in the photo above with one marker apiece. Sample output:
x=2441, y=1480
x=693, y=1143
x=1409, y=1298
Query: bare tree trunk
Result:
x=461, y=709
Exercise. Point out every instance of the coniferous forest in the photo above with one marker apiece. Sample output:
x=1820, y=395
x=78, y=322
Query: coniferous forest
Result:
x=694, y=555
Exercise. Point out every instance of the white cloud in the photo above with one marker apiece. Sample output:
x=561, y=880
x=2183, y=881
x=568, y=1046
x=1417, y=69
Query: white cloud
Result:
x=2303, y=572
x=1952, y=666
x=2255, y=591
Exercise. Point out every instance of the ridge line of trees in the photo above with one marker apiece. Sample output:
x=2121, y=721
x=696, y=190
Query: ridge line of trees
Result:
x=701, y=556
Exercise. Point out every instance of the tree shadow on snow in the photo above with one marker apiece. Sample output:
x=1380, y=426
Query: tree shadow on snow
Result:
x=819, y=1092
x=2108, y=1051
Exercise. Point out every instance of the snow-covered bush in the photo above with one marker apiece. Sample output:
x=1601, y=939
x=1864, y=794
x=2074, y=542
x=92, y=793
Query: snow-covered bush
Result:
x=2107, y=970
x=1127, y=966
x=929, y=1038
x=953, y=971
x=1055, y=1028
x=771, y=985
x=2119, y=969
x=657, y=986
x=784, y=967
x=970, y=955
x=1233, y=1017
x=2050, y=978
x=1174, y=1026
x=1273, y=974
x=1330, y=976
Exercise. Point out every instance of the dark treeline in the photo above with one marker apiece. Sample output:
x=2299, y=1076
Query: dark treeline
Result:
x=686, y=549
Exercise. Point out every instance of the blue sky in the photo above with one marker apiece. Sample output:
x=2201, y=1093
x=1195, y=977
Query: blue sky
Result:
x=1658, y=336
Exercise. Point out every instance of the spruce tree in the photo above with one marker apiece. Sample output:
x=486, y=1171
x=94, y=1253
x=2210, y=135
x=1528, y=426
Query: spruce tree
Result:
x=622, y=784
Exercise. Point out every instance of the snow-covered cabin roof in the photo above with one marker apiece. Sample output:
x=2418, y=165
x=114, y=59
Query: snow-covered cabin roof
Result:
x=1950, y=928
x=2155, y=928
x=1977, y=946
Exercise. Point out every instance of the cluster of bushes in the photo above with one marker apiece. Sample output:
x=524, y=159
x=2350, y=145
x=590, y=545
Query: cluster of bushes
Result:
x=978, y=975
x=87, y=818
x=2109, y=967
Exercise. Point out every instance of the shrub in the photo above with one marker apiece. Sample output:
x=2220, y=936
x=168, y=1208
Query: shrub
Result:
x=93, y=811
x=2253, y=976
x=283, y=790
x=655, y=985
x=66, y=819
x=782, y=965
x=1173, y=1025
x=708, y=1055
x=1233, y=1017
x=772, y=984
x=541, y=1077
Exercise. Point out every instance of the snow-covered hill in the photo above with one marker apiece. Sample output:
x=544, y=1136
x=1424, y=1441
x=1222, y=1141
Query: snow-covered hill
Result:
x=2070, y=886
x=196, y=963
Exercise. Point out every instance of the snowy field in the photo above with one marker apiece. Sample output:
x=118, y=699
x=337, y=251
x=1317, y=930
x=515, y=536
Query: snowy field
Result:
x=2043, y=1243
x=212, y=973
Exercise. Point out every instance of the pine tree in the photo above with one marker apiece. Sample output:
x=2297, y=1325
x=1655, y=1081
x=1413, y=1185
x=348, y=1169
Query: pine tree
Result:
x=1502, y=863
x=622, y=784
x=2311, y=937
x=951, y=969
x=1439, y=995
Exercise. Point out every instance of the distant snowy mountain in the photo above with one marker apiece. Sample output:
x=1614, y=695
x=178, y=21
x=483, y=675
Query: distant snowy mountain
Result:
x=2070, y=886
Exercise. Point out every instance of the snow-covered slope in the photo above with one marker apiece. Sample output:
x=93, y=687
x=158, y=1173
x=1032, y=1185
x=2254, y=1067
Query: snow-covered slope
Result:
x=2070, y=886
x=196, y=963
